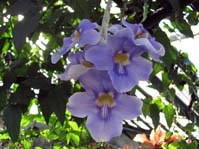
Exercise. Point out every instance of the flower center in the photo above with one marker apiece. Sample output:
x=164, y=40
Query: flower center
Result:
x=105, y=99
x=87, y=64
x=122, y=58
x=141, y=35
x=76, y=36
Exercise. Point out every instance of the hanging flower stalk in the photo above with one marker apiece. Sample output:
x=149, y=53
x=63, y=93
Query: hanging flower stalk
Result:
x=105, y=21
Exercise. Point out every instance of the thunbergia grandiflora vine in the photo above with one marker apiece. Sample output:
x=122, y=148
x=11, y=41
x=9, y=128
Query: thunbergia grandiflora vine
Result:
x=107, y=69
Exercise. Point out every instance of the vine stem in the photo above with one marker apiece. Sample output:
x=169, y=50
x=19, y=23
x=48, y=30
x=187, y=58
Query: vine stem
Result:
x=105, y=21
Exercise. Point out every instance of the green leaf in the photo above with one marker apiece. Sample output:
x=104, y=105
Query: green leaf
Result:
x=32, y=69
x=171, y=53
x=165, y=79
x=158, y=102
x=154, y=113
x=169, y=114
x=44, y=105
x=72, y=137
x=84, y=8
x=157, y=68
x=55, y=101
x=25, y=27
x=145, y=108
x=27, y=144
x=4, y=136
x=6, y=46
x=2, y=41
x=58, y=106
x=168, y=135
x=184, y=145
x=52, y=67
x=20, y=7
x=8, y=79
x=189, y=127
x=193, y=145
x=193, y=18
x=183, y=27
x=171, y=94
x=12, y=118
x=3, y=99
x=18, y=63
x=173, y=146
x=22, y=97
x=39, y=81
x=73, y=125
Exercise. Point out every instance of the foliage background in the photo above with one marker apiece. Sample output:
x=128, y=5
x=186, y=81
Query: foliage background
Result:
x=28, y=78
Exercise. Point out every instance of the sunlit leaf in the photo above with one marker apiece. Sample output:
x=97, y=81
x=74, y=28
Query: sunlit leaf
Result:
x=169, y=114
x=173, y=146
x=72, y=137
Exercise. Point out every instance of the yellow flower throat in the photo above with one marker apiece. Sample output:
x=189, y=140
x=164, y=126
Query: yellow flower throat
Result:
x=122, y=58
x=105, y=99
x=87, y=64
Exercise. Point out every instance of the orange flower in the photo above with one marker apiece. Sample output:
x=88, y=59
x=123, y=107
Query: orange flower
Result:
x=157, y=138
x=175, y=138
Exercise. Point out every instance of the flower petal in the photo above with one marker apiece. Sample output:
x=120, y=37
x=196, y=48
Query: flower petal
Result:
x=82, y=104
x=67, y=43
x=86, y=24
x=76, y=58
x=141, y=138
x=73, y=72
x=114, y=28
x=90, y=37
x=154, y=48
x=100, y=56
x=140, y=68
x=103, y=130
x=61, y=51
x=55, y=58
x=133, y=27
x=115, y=42
x=122, y=82
x=127, y=107
x=131, y=48
x=95, y=80
x=90, y=80
x=158, y=46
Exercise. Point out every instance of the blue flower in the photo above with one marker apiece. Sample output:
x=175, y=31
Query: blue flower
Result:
x=103, y=106
x=142, y=37
x=77, y=66
x=121, y=57
x=85, y=34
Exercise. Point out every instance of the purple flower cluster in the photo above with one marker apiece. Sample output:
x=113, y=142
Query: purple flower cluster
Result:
x=107, y=70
